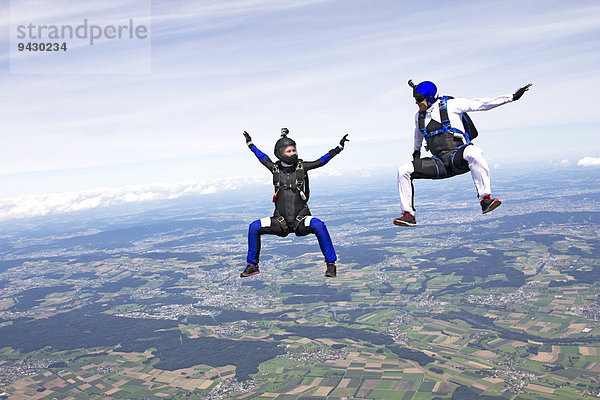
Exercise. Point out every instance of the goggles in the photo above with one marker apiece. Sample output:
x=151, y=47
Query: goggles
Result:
x=418, y=97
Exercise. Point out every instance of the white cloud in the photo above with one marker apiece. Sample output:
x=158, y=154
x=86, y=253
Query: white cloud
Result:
x=328, y=172
x=59, y=203
x=562, y=163
x=589, y=162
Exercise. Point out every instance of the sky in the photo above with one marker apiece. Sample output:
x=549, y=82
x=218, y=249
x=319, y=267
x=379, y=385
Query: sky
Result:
x=124, y=121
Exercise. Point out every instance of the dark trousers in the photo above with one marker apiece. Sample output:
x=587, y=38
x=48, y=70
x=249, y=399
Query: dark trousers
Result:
x=443, y=166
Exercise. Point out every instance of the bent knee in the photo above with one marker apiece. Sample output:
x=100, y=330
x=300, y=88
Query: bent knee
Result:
x=473, y=153
x=405, y=170
x=255, y=226
x=313, y=222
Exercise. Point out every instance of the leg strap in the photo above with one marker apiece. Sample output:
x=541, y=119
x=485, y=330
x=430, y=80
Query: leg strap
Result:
x=284, y=226
x=305, y=212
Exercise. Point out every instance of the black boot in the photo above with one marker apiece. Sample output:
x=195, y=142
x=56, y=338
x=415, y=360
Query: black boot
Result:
x=251, y=269
x=331, y=270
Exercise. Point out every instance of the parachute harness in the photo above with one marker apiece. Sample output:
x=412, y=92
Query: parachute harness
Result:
x=447, y=128
x=298, y=184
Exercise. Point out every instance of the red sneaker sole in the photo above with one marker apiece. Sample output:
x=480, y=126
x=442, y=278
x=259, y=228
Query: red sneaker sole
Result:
x=403, y=223
x=495, y=204
x=246, y=275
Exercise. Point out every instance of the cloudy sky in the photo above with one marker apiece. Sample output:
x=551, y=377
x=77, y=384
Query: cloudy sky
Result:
x=170, y=115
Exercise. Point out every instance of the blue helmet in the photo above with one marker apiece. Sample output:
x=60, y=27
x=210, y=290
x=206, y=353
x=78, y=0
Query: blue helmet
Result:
x=428, y=90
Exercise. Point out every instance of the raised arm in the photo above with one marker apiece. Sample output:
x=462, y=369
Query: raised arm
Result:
x=308, y=165
x=262, y=157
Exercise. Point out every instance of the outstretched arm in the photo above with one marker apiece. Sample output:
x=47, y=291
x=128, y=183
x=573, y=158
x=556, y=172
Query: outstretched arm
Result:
x=262, y=157
x=327, y=156
x=466, y=105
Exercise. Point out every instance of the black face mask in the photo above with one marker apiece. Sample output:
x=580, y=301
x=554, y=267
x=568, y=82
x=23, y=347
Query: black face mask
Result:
x=289, y=160
x=280, y=146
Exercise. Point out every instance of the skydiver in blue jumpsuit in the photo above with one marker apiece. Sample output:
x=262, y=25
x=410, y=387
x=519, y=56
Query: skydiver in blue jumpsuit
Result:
x=291, y=214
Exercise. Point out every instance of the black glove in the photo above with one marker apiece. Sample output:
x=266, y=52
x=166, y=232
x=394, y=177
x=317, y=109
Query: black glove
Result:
x=517, y=95
x=248, y=139
x=416, y=154
x=344, y=140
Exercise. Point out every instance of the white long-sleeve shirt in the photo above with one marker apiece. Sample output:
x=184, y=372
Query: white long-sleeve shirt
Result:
x=455, y=108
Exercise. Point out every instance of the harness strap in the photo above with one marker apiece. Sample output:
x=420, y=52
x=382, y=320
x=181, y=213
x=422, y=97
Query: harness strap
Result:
x=447, y=128
x=422, y=123
x=454, y=155
x=276, y=177
x=284, y=225
x=300, y=180
x=437, y=169
x=444, y=113
x=301, y=184
x=305, y=212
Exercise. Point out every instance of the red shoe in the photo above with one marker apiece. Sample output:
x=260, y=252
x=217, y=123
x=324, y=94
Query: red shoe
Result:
x=407, y=219
x=488, y=204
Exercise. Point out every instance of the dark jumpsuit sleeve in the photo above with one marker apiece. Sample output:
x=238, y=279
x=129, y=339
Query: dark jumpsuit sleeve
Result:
x=262, y=157
x=308, y=165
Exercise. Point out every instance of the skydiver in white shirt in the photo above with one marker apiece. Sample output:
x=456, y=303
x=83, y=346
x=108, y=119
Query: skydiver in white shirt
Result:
x=448, y=131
